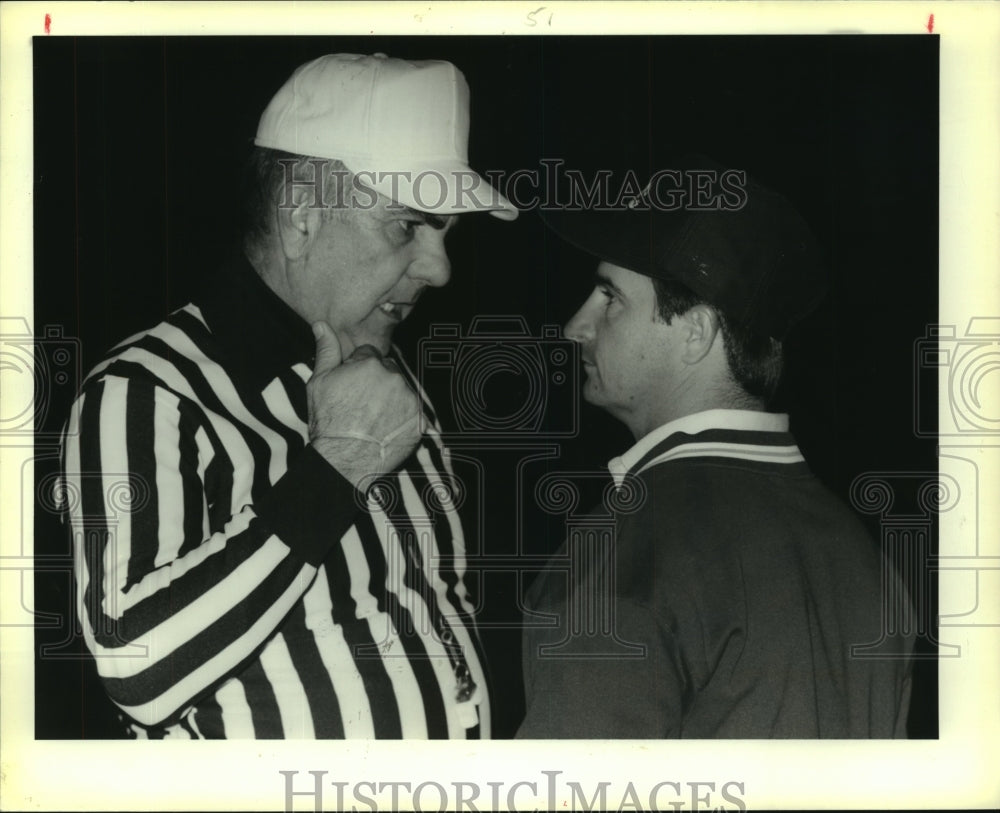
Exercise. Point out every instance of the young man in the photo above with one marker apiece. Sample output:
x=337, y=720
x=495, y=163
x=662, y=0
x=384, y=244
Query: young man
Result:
x=288, y=564
x=738, y=583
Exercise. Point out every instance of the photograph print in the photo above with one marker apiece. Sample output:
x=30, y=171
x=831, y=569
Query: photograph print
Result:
x=649, y=458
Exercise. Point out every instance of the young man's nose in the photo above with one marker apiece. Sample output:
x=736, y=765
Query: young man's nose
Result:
x=580, y=326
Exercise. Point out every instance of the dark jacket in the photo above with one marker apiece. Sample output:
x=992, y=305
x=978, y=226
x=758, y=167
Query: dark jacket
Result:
x=741, y=586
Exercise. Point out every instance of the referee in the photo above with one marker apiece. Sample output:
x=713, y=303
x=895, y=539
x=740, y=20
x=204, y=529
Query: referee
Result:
x=290, y=564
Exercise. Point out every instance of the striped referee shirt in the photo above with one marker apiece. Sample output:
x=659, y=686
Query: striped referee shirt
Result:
x=230, y=582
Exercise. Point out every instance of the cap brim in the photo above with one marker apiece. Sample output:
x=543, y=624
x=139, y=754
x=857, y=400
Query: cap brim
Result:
x=443, y=187
x=618, y=237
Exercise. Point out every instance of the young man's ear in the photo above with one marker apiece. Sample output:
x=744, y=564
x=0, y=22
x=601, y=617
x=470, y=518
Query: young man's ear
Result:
x=702, y=323
x=298, y=223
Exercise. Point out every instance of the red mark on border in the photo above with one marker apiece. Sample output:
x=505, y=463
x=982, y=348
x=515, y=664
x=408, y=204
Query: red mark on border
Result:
x=48, y=23
x=930, y=24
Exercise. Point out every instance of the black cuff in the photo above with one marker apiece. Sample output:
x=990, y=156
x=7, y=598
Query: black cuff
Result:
x=310, y=507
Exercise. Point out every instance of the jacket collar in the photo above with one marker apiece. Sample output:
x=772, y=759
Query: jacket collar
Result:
x=260, y=335
x=739, y=434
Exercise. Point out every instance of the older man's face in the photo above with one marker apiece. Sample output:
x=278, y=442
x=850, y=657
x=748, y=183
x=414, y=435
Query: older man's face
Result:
x=366, y=269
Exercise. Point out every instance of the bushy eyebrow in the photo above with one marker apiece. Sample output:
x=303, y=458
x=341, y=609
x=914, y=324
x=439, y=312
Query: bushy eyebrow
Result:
x=432, y=220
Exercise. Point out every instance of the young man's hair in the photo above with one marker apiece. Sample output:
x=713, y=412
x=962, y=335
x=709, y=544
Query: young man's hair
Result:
x=268, y=176
x=755, y=361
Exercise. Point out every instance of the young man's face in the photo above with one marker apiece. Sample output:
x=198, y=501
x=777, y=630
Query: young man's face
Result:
x=366, y=269
x=629, y=354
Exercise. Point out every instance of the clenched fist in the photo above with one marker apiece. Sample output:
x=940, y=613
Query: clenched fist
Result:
x=363, y=416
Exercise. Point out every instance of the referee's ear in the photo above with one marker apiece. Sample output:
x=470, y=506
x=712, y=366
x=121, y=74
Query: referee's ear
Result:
x=298, y=224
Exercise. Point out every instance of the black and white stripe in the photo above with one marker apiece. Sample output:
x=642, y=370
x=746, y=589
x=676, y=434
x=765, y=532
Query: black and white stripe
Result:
x=249, y=594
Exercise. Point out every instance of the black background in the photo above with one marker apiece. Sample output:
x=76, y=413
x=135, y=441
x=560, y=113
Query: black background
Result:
x=138, y=142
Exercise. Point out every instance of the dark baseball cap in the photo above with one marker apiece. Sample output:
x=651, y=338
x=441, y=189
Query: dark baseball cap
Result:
x=737, y=244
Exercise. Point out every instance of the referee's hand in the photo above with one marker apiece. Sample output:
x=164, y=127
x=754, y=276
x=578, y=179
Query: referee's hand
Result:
x=355, y=404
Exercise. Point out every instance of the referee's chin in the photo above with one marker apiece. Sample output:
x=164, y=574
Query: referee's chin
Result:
x=352, y=339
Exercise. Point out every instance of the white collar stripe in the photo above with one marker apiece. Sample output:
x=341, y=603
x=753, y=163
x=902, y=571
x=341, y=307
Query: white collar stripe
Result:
x=766, y=454
x=736, y=434
x=785, y=455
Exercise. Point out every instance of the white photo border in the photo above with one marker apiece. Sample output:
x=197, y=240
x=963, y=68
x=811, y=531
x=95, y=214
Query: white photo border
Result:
x=956, y=770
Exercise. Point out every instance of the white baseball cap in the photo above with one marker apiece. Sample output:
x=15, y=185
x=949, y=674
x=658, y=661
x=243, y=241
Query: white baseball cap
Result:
x=401, y=127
